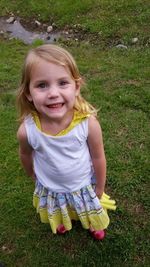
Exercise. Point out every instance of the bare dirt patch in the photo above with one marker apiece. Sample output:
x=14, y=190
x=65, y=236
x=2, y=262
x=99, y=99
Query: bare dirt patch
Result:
x=29, y=30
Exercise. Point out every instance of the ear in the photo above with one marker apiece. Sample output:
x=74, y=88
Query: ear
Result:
x=78, y=86
x=29, y=97
x=28, y=94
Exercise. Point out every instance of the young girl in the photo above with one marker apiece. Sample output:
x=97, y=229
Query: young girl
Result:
x=60, y=143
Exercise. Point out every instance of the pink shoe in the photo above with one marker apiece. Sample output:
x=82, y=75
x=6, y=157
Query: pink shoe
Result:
x=61, y=229
x=98, y=235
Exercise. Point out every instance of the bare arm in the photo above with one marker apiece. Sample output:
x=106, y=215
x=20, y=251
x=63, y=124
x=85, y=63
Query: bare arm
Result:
x=25, y=151
x=96, y=147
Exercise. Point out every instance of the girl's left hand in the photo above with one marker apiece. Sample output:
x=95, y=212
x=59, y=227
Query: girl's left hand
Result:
x=99, y=192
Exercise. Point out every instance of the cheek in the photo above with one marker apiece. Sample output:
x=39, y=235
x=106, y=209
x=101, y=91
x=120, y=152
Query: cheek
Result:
x=72, y=100
x=35, y=97
x=72, y=93
x=38, y=100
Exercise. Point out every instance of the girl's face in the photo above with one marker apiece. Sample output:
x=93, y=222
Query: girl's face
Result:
x=52, y=90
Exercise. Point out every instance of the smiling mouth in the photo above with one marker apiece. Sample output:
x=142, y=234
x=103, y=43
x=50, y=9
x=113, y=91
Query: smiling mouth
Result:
x=57, y=105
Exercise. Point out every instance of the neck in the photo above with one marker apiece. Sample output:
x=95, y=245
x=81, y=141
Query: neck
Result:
x=53, y=127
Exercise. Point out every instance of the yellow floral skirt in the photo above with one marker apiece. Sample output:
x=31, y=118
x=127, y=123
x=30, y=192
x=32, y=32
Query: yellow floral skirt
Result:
x=61, y=208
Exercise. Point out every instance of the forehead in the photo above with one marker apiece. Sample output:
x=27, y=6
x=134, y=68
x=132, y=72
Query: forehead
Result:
x=44, y=68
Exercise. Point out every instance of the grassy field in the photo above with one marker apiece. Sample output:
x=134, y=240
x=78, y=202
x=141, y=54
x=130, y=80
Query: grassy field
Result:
x=117, y=84
x=111, y=21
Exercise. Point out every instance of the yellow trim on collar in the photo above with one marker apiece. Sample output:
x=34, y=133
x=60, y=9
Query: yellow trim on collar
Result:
x=77, y=118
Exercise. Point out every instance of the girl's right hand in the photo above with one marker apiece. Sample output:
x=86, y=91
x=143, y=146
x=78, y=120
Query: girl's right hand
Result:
x=33, y=177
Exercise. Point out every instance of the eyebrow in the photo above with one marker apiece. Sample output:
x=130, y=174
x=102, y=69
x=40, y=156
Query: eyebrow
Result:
x=40, y=81
x=64, y=77
x=44, y=80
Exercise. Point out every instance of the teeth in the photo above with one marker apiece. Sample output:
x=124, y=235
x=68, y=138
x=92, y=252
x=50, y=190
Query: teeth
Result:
x=55, y=105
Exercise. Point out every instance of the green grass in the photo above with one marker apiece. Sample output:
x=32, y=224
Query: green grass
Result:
x=117, y=84
x=112, y=20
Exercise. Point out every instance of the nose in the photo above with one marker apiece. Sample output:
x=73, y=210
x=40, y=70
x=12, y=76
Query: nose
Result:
x=53, y=92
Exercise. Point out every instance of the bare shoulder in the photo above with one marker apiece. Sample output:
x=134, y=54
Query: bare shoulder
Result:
x=95, y=139
x=94, y=126
x=23, y=140
x=21, y=133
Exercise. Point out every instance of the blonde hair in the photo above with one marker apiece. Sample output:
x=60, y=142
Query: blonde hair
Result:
x=56, y=55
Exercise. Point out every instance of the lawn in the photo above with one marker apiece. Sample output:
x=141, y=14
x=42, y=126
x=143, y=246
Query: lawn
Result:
x=117, y=84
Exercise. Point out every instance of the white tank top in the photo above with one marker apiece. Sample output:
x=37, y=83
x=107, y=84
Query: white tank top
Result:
x=61, y=163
